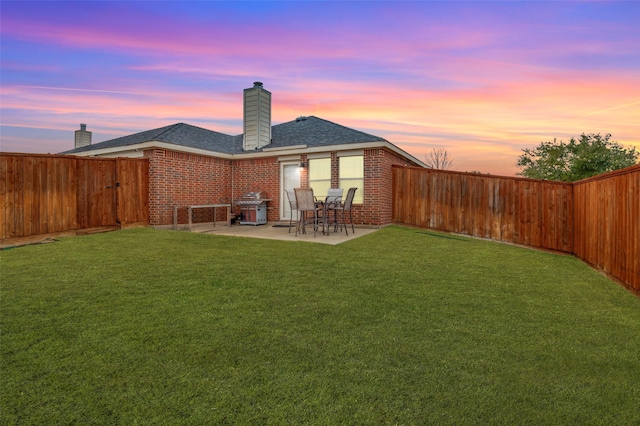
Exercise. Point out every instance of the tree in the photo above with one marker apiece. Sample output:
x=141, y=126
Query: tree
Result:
x=438, y=158
x=590, y=155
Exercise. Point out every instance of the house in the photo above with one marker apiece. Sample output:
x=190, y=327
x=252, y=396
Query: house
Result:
x=190, y=165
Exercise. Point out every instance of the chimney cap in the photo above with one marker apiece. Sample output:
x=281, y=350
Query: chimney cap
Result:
x=257, y=84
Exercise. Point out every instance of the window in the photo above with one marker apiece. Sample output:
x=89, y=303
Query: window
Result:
x=320, y=176
x=352, y=175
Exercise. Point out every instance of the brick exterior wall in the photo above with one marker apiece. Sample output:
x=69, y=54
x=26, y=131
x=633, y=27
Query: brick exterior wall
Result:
x=177, y=178
x=259, y=174
x=377, y=206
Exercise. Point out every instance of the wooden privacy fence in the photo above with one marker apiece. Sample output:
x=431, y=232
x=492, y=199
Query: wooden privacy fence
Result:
x=596, y=219
x=521, y=211
x=43, y=194
x=607, y=223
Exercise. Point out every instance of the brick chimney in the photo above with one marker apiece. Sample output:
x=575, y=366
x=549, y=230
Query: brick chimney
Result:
x=257, y=117
x=83, y=137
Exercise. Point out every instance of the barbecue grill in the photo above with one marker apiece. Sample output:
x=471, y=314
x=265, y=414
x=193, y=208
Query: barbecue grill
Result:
x=253, y=208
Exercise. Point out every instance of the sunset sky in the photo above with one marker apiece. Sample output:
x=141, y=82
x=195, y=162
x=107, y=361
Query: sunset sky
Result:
x=481, y=79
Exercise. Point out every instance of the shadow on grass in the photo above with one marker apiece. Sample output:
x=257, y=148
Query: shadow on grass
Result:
x=447, y=236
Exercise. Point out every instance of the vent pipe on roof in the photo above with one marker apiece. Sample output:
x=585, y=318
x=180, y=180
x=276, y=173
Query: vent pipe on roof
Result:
x=257, y=117
x=83, y=137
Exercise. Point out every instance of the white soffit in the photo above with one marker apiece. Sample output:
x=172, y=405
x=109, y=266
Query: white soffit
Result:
x=296, y=150
x=118, y=150
x=289, y=158
x=318, y=156
x=350, y=153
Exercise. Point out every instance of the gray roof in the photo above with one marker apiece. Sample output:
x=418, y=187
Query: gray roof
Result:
x=310, y=131
x=178, y=134
x=313, y=131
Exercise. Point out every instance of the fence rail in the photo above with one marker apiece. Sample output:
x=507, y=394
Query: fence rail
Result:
x=596, y=219
x=43, y=194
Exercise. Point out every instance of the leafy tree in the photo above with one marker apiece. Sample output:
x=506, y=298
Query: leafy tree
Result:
x=590, y=155
x=438, y=158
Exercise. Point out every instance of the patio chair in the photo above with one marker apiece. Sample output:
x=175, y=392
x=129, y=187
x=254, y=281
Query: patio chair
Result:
x=345, y=207
x=291, y=196
x=306, y=204
x=334, y=195
x=333, y=200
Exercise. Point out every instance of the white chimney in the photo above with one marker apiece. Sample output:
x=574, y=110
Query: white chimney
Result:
x=83, y=138
x=257, y=117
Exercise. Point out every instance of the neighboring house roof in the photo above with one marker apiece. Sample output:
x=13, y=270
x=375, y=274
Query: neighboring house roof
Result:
x=309, y=131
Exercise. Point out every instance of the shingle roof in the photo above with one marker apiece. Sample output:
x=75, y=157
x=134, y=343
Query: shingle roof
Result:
x=310, y=131
x=178, y=134
x=313, y=131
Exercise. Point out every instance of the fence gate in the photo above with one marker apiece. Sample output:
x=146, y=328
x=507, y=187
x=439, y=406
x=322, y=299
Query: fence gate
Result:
x=45, y=194
x=97, y=194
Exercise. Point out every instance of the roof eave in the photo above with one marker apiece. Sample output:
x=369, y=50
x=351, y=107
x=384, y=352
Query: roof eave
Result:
x=132, y=150
x=139, y=147
x=304, y=149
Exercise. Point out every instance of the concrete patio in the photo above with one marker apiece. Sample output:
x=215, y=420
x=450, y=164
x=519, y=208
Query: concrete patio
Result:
x=278, y=231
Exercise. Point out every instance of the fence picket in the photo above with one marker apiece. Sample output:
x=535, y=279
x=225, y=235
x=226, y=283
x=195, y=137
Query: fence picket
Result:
x=43, y=194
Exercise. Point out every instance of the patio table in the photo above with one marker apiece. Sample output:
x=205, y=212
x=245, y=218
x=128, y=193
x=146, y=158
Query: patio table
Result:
x=321, y=205
x=326, y=207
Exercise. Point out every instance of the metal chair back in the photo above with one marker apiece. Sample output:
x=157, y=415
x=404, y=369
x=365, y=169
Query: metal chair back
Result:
x=304, y=199
x=306, y=203
x=334, y=196
x=293, y=205
x=291, y=196
x=349, y=200
x=346, y=207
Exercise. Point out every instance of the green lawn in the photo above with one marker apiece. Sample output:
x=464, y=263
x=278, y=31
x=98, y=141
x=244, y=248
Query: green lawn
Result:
x=403, y=326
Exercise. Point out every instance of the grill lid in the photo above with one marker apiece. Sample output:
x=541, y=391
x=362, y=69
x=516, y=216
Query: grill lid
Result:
x=253, y=198
x=257, y=195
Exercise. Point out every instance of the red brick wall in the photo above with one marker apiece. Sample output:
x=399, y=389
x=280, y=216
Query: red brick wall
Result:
x=259, y=174
x=335, y=171
x=177, y=178
x=376, y=208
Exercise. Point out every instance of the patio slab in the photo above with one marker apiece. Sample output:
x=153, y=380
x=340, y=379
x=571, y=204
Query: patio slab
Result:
x=278, y=231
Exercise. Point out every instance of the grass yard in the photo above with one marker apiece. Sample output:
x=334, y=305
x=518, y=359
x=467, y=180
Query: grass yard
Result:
x=403, y=326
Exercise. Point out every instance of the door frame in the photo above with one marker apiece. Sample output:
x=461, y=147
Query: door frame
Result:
x=284, y=201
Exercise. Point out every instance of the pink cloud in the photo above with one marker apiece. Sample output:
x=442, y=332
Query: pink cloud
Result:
x=468, y=79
